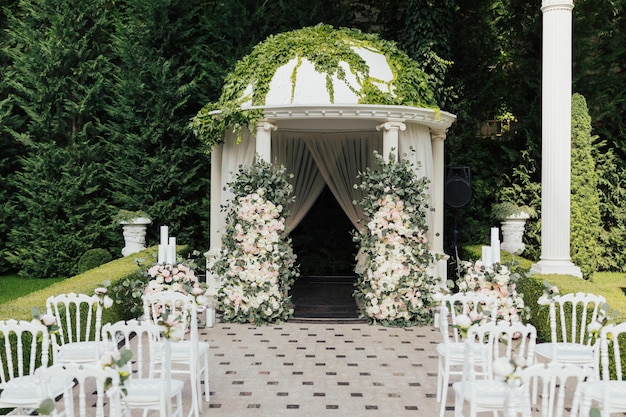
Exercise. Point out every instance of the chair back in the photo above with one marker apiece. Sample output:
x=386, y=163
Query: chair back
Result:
x=473, y=304
x=515, y=341
x=611, y=336
x=97, y=391
x=163, y=304
x=79, y=317
x=140, y=337
x=24, y=347
x=561, y=389
x=571, y=314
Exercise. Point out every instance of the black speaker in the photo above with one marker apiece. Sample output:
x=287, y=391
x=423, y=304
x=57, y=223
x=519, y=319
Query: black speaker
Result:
x=458, y=187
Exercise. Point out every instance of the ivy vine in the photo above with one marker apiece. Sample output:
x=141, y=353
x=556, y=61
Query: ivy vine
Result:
x=325, y=47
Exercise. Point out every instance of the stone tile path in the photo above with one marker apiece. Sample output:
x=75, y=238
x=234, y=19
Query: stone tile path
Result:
x=320, y=369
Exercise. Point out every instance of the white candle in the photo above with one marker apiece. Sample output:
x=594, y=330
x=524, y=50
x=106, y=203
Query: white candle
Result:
x=495, y=245
x=162, y=252
x=486, y=256
x=163, y=236
x=172, y=250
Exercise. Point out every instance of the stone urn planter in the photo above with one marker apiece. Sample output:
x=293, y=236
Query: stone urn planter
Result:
x=134, y=231
x=513, y=233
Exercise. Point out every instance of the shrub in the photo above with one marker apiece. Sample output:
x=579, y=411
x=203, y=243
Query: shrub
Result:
x=585, y=206
x=93, y=258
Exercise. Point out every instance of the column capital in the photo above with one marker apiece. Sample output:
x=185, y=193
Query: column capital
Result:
x=392, y=124
x=266, y=125
x=438, y=135
x=550, y=5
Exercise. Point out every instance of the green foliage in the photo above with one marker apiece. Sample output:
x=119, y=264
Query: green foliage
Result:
x=93, y=258
x=411, y=86
x=501, y=211
x=599, y=75
x=426, y=38
x=126, y=294
x=585, y=201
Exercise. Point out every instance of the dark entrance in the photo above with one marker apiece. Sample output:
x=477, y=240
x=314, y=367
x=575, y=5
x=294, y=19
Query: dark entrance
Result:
x=326, y=252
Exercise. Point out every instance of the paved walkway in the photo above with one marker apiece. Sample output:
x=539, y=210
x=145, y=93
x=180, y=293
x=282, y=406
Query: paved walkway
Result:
x=313, y=369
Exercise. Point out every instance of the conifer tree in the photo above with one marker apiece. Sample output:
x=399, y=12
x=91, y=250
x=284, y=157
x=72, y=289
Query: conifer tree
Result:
x=56, y=88
x=585, y=202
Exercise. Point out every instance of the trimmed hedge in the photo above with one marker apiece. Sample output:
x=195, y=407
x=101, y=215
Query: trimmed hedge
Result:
x=20, y=308
x=604, y=283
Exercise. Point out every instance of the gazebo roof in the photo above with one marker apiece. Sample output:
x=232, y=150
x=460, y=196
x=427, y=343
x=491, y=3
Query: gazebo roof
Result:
x=322, y=73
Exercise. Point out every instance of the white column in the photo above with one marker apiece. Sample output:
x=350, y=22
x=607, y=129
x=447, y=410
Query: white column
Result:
x=391, y=129
x=437, y=138
x=215, y=242
x=264, y=131
x=556, y=119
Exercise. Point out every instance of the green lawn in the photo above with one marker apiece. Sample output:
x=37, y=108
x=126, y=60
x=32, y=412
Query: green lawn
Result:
x=14, y=286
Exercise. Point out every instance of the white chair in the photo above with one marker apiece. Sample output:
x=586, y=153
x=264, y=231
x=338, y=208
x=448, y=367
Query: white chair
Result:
x=561, y=386
x=189, y=355
x=515, y=341
x=609, y=393
x=97, y=391
x=145, y=390
x=570, y=315
x=79, y=317
x=25, y=349
x=451, y=350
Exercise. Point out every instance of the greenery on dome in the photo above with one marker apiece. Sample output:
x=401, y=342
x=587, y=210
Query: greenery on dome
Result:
x=325, y=47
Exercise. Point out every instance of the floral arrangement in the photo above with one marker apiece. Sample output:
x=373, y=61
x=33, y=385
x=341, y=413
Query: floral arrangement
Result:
x=393, y=286
x=549, y=291
x=179, y=277
x=605, y=316
x=46, y=319
x=117, y=360
x=507, y=369
x=497, y=280
x=102, y=294
x=463, y=322
x=256, y=263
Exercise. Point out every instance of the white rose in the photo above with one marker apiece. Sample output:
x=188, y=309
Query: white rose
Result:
x=107, y=302
x=594, y=327
x=202, y=300
x=503, y=367
x=463, y=321
x=48, y=319
x=177, y=333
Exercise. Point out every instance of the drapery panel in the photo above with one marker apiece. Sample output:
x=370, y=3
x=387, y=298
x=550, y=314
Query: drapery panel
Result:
x=333, y=158
x=234, y=155
x=307, y=181
x=414, y=145
x=340, y=157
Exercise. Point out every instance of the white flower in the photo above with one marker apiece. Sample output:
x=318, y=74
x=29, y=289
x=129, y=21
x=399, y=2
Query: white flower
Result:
x=463, y=321
x=100, y=291
x=594, y=327
x=202, y=300
x=48, y=319
x=503, y=367
x=176, y=333
x=107, y=302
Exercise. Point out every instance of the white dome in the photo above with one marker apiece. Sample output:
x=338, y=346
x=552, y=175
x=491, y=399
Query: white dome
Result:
x=310, y=85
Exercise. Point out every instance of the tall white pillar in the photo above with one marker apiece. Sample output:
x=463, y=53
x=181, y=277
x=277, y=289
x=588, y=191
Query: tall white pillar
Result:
x=391, y=132
x=556, y=119
x=215, y=240
x=264, y=131
x=437, y=138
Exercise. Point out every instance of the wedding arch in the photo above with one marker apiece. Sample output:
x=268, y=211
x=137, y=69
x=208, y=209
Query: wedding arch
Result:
x=323, y=121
